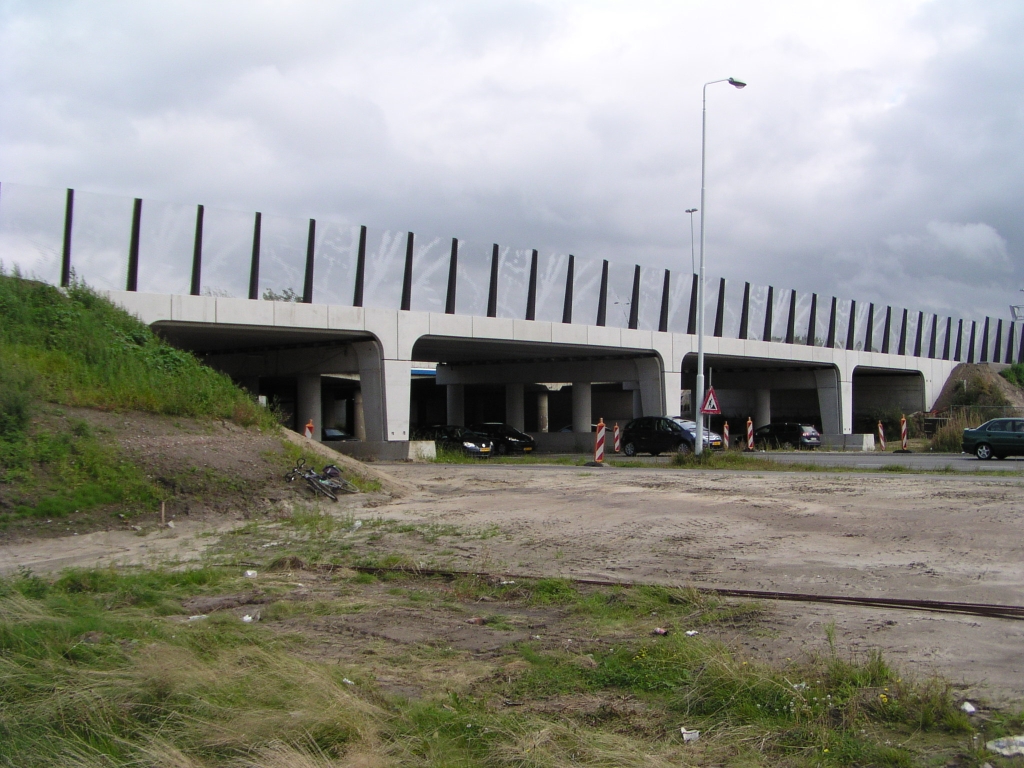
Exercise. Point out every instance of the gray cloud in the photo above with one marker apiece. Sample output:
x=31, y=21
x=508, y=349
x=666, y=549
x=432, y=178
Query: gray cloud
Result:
x=875, y=154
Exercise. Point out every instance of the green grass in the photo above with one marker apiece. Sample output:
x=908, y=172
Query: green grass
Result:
x=103, y=668
x=76, y=348
x=51, y=474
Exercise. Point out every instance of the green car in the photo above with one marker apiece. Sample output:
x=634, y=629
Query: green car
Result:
x=999, y=438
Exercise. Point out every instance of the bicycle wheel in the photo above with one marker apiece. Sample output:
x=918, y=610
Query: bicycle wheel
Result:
x=319, y=486
x=341, y=485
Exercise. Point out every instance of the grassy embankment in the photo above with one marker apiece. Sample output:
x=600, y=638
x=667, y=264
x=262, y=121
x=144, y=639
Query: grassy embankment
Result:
x=104, y=668
x=74, y=348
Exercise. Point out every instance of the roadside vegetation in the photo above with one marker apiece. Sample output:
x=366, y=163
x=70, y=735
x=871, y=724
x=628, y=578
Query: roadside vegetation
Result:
x=75, y=348
x=1014, y=374
x=118, y=668
x=68, y=349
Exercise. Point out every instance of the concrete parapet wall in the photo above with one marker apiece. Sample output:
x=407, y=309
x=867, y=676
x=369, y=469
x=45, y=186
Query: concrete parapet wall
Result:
x=848, y=442
x=392, y=450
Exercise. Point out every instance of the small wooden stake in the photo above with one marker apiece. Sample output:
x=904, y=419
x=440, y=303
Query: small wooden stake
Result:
x=163, y=505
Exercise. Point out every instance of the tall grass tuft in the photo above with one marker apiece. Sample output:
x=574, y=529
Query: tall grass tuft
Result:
x=76, y=348
x=949, y=437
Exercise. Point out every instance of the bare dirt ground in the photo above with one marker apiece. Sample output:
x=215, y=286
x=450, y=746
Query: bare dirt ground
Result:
x=919, y=536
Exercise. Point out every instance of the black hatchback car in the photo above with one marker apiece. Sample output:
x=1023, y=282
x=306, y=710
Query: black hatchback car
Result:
x=787, y=434
x=660, y=434
x=998, y=437
x=452, y=438
x=506, y=439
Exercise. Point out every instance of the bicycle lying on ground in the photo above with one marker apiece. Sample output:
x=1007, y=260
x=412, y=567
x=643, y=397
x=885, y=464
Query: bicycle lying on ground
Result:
x=328, y=483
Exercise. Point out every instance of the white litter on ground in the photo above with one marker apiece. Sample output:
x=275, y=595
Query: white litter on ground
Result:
x=1008, y=746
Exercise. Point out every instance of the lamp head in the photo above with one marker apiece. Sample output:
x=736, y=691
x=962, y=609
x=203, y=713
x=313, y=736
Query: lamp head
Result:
x=737, y=83
x=694, y=210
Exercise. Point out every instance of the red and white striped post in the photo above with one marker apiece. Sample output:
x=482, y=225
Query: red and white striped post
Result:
x=599, y=442
x=618, y=438
x=750, y=434
x=903, y=431
x=308, y=431
x=881, y=435
x=725, y=435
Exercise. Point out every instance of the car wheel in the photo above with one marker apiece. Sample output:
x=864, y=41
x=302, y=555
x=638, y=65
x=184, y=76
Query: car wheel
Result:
x=501, y=449
x=983, y=451
x=629, y=449
x=684, y=449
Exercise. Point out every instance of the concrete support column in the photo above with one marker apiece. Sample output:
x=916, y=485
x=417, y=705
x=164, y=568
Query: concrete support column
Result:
x=581, y=406
x=762, y=408
x=542, y=411
x=358, y=416
x=398, y=398
x=308, y=404
x=456, y=394
x=638, y=403
x=386, y=387
x=830, y=402
x=339, y=417
x=653, y=382
x=514, y=406
x=846, y=406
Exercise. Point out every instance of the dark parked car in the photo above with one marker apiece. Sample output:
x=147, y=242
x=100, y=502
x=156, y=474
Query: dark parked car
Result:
x=660, y=434
x=998, y=437
x=451, y=438
x=712, y=440
x=787, y=434
x=331, y=434
x=506, y=439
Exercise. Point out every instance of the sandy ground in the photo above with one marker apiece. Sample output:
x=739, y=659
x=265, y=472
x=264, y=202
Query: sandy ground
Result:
x=919, y=536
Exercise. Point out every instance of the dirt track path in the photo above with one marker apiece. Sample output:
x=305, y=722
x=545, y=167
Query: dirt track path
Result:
x=899, y=536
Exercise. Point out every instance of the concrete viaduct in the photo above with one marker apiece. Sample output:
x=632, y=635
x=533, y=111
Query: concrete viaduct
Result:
x=331, y=301
x=251, y=339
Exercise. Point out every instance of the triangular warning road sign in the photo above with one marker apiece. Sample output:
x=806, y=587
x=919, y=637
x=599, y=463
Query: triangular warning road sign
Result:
x=711, y=403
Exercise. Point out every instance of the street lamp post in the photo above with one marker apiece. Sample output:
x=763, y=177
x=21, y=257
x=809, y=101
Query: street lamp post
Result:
x=698, y=446
x=691, y=211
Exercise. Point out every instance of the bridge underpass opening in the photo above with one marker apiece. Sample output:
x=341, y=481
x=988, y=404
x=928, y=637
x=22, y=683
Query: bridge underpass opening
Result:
x=885, y=395
x=537, y=387
x=765, y=391
x=306, y=374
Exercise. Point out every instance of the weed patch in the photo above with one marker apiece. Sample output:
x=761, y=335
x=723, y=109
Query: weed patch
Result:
x=103, y=667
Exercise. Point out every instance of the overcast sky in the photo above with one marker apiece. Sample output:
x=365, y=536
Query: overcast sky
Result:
x=876, y=154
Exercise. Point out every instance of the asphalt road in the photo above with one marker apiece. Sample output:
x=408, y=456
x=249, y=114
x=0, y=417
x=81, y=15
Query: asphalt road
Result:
x=961, y=462
x=922, y=462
